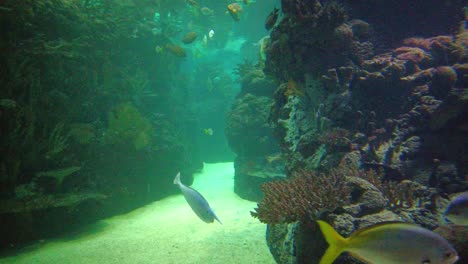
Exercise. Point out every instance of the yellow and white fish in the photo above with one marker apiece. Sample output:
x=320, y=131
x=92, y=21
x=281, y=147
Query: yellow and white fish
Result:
x=389, y=243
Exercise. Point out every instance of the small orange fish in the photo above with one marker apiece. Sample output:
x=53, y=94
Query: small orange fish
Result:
x=189, y=37
x=176, y=50
x=234, y=9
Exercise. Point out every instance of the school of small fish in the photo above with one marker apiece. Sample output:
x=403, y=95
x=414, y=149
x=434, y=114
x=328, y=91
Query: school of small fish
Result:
x=234, y=9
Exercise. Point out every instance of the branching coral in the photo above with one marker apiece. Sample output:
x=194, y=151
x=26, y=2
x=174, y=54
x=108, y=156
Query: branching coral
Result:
x=302, y=197
x=404, y=194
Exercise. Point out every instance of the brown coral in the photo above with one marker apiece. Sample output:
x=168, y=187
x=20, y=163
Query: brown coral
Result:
x=302, y=197
x=403, y=194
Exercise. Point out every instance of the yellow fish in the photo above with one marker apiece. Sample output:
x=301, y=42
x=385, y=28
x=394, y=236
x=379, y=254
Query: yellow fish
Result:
x=389, y=243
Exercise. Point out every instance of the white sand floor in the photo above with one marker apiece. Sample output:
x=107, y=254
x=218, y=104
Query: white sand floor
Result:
x=167, y=232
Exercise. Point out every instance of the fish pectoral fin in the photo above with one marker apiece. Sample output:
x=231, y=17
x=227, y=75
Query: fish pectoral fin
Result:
x=335, y=241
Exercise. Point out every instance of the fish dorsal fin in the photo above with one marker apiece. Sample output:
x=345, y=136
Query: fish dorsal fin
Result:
x=377, y=225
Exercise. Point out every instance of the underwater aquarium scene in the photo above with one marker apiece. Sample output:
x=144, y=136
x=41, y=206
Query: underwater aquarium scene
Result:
x=233, y=131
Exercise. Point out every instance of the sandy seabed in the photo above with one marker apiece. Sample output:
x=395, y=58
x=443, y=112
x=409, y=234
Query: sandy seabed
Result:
x=167, y=232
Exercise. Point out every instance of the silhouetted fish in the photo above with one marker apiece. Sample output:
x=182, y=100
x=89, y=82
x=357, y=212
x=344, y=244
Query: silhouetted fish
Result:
x=198, y=203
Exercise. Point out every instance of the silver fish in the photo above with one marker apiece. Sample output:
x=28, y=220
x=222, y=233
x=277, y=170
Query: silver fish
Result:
x=457, y=210
x=197, y=202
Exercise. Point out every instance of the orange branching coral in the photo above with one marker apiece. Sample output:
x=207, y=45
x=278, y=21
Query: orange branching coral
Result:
x=302, y=197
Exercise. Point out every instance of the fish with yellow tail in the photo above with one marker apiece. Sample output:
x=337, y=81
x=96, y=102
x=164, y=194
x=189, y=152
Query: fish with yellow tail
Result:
x=389, y=243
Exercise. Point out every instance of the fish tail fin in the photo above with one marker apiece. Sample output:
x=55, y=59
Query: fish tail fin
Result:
x=335, y=241
x=216, y=217
x=177, y=179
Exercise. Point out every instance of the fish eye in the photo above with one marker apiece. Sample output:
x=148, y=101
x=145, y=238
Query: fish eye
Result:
x=426, y=261
x=448, y=254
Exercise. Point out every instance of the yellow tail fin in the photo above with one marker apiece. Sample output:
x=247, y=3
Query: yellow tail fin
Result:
x=336, y=243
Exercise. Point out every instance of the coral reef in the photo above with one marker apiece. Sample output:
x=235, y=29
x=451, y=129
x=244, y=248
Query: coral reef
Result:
x=301, y=198
x=395, y=119
x=82, y=94
x=248, y=129
x=250, y=135
x=126, y=124
x=313, y=38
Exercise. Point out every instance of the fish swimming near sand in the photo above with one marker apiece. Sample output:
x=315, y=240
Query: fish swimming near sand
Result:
x=197, y=202
x=457, y=210
x=389, y=243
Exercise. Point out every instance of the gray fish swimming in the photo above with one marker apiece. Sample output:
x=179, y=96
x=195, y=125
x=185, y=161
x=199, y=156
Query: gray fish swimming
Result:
x=457, y=210
x=198, y=203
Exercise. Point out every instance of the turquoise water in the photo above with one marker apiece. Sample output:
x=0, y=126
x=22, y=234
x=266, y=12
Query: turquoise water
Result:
x=166, y=231
x=102, y=102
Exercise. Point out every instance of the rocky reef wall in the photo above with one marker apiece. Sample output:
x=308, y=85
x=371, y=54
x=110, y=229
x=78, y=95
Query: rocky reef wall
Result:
x=391, y=117
x=250, y=135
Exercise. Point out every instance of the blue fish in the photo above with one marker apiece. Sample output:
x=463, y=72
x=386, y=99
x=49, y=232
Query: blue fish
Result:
x=198, y=203
x=457, y=210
